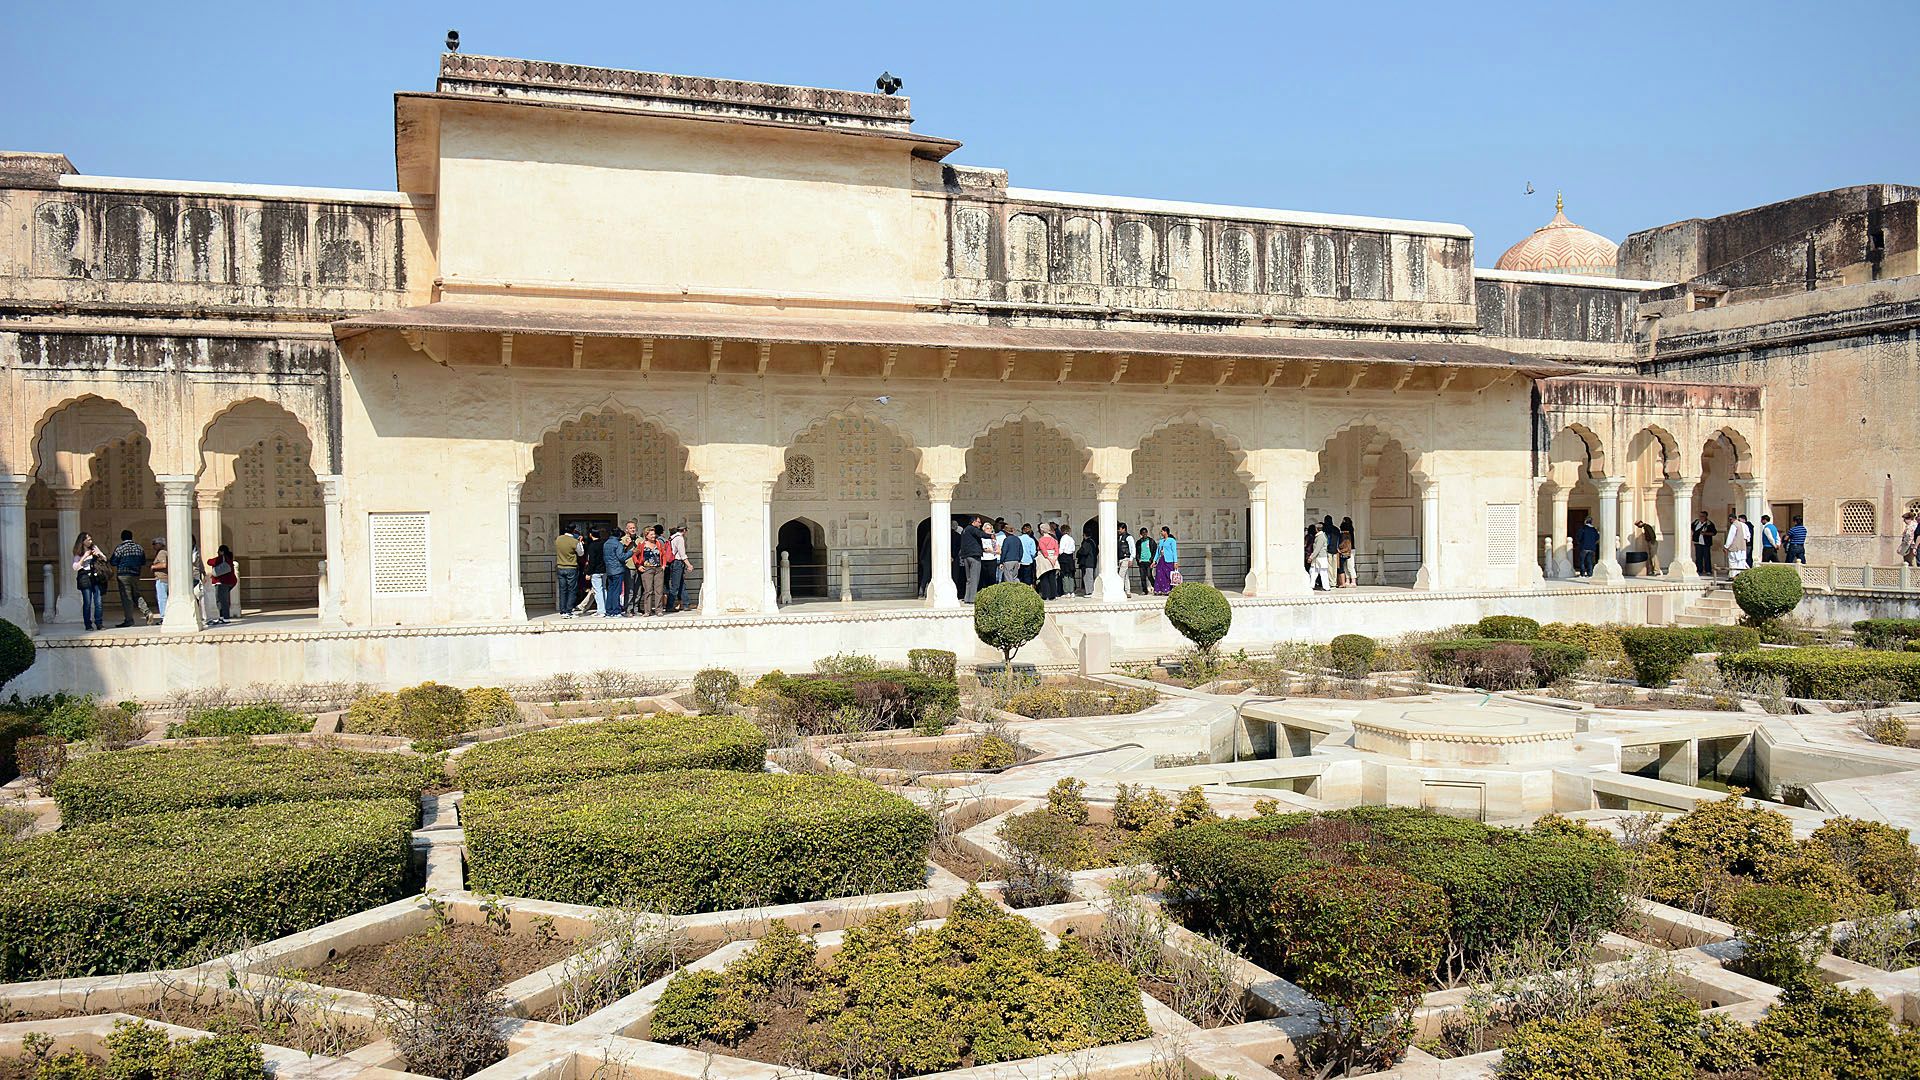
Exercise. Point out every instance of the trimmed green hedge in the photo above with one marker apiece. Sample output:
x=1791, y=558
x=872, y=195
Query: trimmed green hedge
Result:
x=1657, y=653
x=1007, y=616
x=1353, y=654
x=908, y=693
x=1500, y=664
x=1508, y=628
x=1384, y=873
x=695, y=841
x=100, y=787
x=639, y=744
x=1829, y=674
x=1891, y=635
x=1766, y=593
x=266, y=719
x=148, y=891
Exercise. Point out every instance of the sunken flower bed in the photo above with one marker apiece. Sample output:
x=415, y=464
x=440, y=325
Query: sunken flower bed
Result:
x=895, y=1001
x=641, y=744
x=700, y=840
x=101, y=787
x=147, y=891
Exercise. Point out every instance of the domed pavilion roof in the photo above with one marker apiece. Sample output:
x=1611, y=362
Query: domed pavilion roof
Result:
x=1561, y=247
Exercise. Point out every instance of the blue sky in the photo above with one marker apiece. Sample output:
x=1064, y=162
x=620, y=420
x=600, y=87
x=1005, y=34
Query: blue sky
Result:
x=1643, y=112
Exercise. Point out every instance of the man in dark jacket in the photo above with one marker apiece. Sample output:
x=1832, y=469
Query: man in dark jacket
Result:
x=967, y=550
x=126, y=560
x=1586, y=549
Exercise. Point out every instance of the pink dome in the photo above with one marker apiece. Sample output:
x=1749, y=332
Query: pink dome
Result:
x=1561, y=247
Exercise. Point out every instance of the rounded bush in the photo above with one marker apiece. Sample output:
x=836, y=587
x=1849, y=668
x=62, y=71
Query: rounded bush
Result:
x=1600, y=642
x=1508, y=628
x=99, y=787
x=639, y=744
x=713, y=689
x=16, y=652
x=1657, y=653
x=937, y=663
x=1353, y=653
x=1200, y=612
x=145, y=892
x=695, y=841
x=487, y=707
x=1007, y=616
x=1572, y=1049
x=1766, y=593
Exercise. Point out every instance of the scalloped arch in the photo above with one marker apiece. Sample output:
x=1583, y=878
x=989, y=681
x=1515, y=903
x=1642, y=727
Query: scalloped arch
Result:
x=852, y=410
x=1234, y=443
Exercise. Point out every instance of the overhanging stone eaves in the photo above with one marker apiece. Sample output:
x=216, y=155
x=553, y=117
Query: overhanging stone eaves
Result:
x=489, y=319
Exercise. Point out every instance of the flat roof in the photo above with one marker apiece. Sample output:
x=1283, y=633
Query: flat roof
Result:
x=87, y=182
x=1584, y=281
x=462, y=317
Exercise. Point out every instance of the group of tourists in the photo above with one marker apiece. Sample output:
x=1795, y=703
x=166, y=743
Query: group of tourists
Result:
x=625, y=574
x=1054, y=562
x=1741, y=538
x=125, y=567
x=1329, y=554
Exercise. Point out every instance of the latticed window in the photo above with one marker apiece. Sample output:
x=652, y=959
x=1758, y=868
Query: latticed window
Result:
x=1856, y=518
x=800, y=471
x=398, y=544
x=1503, y=534
x=588, y=471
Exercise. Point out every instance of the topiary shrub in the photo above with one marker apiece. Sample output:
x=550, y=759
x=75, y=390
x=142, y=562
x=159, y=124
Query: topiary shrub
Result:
x=980, y=989
x=934, y=663
x=1007, y=616
x=1508, y=628
x=694, y=841
x=1657, y=653
x=146, y=892
x=1891, y=635
x=639, y=744
x=267, y=719
x=713, y=689
x=1877, y=855
x=1200, y=612
x=100, y=787
x=1353, y=654
x=16, y=652
x=1829, y=674
x=1767, y=593
x=487, y=707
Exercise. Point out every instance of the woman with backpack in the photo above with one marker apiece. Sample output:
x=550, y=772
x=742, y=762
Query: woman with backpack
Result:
x=90, y=577
x=225, y=575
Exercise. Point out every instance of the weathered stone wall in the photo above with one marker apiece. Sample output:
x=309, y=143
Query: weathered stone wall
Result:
x=1686, y=250
x=1580, y=320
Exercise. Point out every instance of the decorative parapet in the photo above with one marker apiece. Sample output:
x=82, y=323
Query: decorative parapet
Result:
x=495, y=76
x=1574, y=393
x=1058, y=255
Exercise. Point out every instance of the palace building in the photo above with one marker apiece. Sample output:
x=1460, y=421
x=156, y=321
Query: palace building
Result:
x=784, y=317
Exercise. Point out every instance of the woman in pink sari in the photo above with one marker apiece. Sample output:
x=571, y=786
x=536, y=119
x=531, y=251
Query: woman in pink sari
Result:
x=1166, y=560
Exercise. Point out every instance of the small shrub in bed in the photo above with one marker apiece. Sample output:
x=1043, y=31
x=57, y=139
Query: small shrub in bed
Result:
x=713, y=689
x=1766, y=593
x=691, y=841
x=145, y=892
x=266, y=719
x=884, y=699
x=1508, y=628
x=430, y=711
x=1353, y=654
x=1830, y=674
x=1201, y=613
x=100, y=787
x=980, y=989
x=936, y=663
x=14, y=727
x=1600, y=642
x=1891, y=635
x=1497, y=664
x=1007, y=616
x=638, y=744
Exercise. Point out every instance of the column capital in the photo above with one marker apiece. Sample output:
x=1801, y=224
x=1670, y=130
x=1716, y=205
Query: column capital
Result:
x=14, y=488
x=736, y=462
x=940, y=491
x=1279, y=466
x=1751, y=485
x=1109, y=492
x=514, y=487
x=1682, y=483
x=66, y=498
x=176, y=488
x=942, y=466
x=332, y=487
x=1110, y=466
x=1607, y=486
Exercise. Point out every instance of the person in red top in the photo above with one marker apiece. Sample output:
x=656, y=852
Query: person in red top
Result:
x=225, y=576
x=651, y=557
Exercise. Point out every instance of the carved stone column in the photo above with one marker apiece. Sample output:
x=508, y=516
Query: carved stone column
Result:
x=941, y=468
x=176, y=493
x=1432, y=574
x=736, y=516
x=210, y=501
x=1557, y=525
x=1109, y=466
x=1608, y=566
x=333, y=497
x=1284, y=476
x=516, y=592
x=66, y=502
x=13, y=552
x=1680, y=529
x=1755, y=490
x=1256, y=539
